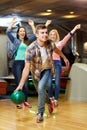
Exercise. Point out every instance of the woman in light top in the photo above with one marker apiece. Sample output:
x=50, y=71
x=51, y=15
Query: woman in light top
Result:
x=54, y=36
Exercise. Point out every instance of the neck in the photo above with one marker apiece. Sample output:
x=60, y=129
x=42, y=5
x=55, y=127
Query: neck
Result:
x=40, y=43
x=22, y=39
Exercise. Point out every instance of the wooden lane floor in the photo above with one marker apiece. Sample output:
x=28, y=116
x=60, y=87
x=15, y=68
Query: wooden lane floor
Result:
x=69, y=115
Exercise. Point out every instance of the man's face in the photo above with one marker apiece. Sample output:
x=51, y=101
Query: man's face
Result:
x=42, y=35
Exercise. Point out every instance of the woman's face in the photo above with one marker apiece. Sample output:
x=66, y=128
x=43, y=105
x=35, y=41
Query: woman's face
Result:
x=53, y=36
x=21, y=33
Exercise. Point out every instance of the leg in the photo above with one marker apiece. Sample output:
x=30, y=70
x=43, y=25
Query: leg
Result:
x=17, y=71
x=50, y=87
x=57, y=79
x=42, y=93
x=25, y=90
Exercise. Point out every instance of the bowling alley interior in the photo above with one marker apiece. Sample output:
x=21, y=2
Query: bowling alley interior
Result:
x=71, y=110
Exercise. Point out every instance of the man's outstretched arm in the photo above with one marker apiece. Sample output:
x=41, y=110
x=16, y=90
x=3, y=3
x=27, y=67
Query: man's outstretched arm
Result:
x=25, y=74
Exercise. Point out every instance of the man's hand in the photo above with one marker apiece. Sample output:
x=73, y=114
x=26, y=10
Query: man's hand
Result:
x=18, y=88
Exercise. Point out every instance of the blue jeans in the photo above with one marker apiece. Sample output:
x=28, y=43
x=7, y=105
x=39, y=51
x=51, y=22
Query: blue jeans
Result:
x=58, y=67
x=41, y=89
x=17, y=71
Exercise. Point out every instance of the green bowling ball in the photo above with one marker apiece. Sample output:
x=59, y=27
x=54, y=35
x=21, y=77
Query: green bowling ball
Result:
x=17, y=97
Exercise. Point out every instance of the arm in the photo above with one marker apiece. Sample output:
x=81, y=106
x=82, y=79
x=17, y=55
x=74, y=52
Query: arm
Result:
x=56, y=50
x=67, y=37
x=48, y=22
x=78, y=26
x=31, y=23
x=8, y=31
x=33, y=36
x=25, y=75
x=14, y=20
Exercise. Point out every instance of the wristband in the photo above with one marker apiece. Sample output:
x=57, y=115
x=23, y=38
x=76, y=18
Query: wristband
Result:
x=71, y=33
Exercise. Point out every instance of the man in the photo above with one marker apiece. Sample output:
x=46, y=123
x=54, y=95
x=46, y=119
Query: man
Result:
x=38, y=60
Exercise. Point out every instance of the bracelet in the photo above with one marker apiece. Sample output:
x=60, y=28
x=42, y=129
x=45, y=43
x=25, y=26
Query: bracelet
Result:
x=71, y=33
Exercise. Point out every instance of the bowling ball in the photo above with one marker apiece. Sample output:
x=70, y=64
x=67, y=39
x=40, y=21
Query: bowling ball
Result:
x=17, y=97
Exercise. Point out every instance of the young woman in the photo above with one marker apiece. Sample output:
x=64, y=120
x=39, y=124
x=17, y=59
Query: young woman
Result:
x=54, y=36
x=20, y=44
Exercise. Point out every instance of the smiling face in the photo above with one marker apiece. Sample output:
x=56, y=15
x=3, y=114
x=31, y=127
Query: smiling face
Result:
x=54, y=36
x=21, y=33
x=42, y=35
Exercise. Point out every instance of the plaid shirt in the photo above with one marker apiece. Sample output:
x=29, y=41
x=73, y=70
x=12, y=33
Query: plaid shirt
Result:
x=33, y=56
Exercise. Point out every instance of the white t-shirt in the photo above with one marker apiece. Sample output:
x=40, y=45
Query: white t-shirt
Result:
x=43, y=54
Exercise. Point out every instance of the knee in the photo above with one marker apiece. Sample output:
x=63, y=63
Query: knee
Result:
x=40, y=91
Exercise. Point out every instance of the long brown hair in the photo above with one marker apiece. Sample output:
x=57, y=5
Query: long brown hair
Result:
x=26, y=40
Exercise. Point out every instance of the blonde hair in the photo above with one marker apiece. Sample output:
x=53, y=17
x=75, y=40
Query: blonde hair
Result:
x=57, y=34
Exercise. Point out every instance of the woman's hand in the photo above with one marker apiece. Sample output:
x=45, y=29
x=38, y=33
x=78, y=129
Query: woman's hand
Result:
x=67, y=63
x=48, y=23
x=31, y=22
x=78, y=26
x=14, y=20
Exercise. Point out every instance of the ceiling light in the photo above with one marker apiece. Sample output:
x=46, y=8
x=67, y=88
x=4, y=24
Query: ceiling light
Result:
x=71, y=12
x=49, y=10
x=70, y=16
x=44, y=13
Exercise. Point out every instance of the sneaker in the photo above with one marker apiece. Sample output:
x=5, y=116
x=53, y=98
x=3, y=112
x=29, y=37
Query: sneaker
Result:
x=52, y=101
x=26, y=104
x=52, y=98
x=39, y=118
x=55, y=103
x=19, y=106
x=50, y=107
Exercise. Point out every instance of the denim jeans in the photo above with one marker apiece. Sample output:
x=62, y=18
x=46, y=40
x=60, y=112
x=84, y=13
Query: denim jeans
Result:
x=41, y=88
x=17, y=71
x=58, y=67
